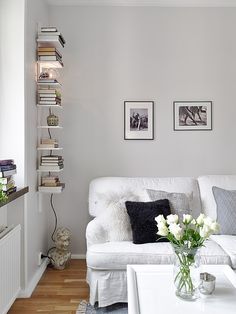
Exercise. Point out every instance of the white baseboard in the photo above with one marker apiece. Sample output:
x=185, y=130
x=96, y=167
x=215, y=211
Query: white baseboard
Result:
x=78, y=256
x=26, y=293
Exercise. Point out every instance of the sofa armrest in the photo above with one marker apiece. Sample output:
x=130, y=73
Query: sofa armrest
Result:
x=95, y=233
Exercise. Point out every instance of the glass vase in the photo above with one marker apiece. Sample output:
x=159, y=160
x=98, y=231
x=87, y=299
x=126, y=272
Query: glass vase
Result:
x=187, y=272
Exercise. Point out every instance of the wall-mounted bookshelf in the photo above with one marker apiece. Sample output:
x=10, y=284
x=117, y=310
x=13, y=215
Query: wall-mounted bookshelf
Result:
x=49, y=59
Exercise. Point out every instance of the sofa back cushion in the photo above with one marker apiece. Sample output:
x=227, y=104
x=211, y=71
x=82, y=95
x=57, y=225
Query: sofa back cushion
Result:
x=206, y=183
x=226, y=210
x=179, y=202
x=101, y=187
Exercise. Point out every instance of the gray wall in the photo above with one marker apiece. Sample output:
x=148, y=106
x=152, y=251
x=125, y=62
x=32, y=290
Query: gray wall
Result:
x=126, y=53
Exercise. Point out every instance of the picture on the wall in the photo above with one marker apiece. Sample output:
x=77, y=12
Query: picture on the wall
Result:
x=138, y=120
x=192, y=115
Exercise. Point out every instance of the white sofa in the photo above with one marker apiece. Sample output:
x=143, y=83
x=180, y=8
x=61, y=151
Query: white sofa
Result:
x=107, y=261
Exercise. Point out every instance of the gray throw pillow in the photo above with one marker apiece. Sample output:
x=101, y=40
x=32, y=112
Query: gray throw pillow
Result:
x=179, y=202
x=226, y=210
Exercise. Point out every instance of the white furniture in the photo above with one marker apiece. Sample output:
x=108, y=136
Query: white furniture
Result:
x=107, y=261
x=151, y=291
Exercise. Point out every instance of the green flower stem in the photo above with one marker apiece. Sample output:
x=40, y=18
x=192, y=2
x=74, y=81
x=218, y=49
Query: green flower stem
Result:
x=183, y=276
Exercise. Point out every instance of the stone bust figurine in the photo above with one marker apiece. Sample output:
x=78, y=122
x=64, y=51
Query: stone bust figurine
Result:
x=60, y=254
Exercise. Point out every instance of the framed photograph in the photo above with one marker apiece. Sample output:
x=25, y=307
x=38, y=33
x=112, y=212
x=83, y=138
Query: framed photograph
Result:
x=138, y=120
x=192, y=115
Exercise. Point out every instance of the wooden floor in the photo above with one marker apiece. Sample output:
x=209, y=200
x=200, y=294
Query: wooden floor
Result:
x=59, y=291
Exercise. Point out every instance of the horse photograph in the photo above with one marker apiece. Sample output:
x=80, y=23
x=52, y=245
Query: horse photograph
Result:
x=192, y=115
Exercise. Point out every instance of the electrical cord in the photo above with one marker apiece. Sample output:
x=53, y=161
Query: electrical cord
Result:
x=46, y=256
x=49, y=133
x=54, y=230
x=55, y=214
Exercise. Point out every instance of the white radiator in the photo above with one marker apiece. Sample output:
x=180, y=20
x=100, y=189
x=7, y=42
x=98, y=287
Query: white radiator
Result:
x=9, y=268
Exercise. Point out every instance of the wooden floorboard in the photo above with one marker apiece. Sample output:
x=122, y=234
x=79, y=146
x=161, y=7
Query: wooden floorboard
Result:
x=58, y=291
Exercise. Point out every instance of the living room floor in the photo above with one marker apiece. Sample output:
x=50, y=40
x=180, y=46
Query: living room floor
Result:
x=58, y=291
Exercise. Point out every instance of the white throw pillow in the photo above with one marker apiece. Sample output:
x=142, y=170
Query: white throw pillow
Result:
x=115, y=219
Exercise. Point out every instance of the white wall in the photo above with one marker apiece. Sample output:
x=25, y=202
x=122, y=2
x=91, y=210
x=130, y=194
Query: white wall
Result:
x=36, y=221
x=126, y=53
x=12, y=120
x=18, y=132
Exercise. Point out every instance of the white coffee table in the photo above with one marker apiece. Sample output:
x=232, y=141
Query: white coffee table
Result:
x=151, y=291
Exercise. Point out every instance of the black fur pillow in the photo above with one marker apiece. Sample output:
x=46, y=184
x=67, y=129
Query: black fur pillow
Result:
x=142, y=219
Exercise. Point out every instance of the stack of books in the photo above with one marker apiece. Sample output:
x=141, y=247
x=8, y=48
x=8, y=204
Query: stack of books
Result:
x=48, y=143
x=49, y=33
x=7, y=170
x=49, y=54
x=49, y=97
x=51, y=163
x=51, y=183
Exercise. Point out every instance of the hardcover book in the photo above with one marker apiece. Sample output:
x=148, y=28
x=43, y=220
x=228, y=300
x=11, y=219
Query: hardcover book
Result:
x=7, y=167
x=48, y=29
x=4, y=174
x=6, y=162
x=50, y=168
x=5, y=180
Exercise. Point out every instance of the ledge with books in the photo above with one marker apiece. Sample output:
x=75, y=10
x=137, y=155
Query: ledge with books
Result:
x=51, y=189
x=52, y=36
x=13, y=196
x=49, y=82
x=51, y=184
x=50, y=55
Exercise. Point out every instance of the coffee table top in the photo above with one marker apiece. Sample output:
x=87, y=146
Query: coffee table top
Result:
x=151, y=291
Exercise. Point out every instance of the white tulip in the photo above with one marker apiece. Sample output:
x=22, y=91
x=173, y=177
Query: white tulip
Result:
x=160, y=218
x=187, y=219
x=162, y=230
x=200, y=219
x=176, y=230
x=205, y=231
x=161, y=224
x=215, y=227
x=208, y=221
x=193, y=222
x=172, y=219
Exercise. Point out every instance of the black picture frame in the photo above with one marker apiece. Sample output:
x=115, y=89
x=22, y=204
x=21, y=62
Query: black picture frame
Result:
x=138, y=120
x=192, y=115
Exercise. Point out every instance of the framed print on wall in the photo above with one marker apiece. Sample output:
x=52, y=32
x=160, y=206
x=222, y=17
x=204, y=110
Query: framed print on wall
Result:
x=192, y=115
x=138, y=120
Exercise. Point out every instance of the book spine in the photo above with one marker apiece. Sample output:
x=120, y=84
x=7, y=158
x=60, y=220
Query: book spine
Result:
x=49, y=58
x=48, y=102
x=46, y=91
x=49, y=53
x=6, y=162
x=50, y=168
x=6, y=168
x=48, y=29
x=50, y=99
x=4, y=174
x=4, y=180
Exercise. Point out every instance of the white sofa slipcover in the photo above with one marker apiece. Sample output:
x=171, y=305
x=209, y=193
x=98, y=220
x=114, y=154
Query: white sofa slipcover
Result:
x=107, y=261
